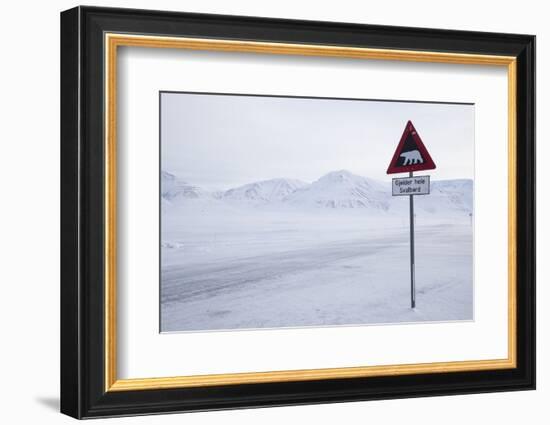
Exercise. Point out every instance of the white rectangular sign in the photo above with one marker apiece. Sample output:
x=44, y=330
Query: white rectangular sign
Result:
x=417, y=185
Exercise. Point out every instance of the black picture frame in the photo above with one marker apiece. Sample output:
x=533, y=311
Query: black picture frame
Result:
x=83, y=393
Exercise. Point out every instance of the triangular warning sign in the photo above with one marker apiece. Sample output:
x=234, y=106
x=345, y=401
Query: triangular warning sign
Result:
x=411, y=154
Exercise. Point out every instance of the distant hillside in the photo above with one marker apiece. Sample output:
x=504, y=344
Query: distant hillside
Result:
x=172, y=188
x=267, y=191
x=335, y=190
x=342, y=189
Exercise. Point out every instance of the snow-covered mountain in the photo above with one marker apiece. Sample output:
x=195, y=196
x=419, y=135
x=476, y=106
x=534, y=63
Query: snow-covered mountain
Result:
x=342, y=189
x=172, y=188
x=266, y=191
x=448, y=195
x=335, y=190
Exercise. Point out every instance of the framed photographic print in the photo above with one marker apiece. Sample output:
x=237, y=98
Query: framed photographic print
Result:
x=261, y=212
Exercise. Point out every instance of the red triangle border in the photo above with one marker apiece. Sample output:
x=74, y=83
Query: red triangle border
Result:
x=428, y=163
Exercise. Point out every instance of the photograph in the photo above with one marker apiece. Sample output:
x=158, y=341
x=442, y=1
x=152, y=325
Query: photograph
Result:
x=292, y=212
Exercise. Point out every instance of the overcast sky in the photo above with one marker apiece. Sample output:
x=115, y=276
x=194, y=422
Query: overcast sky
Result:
x=220, y=141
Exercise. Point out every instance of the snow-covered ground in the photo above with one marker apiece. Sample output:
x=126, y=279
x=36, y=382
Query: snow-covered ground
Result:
x=284, y=253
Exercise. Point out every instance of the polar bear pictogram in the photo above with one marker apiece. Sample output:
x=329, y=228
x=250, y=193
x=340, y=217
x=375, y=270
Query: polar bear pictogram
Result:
x=412, y=157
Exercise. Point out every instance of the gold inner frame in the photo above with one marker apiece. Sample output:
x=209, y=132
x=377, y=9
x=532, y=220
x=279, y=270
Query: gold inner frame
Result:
x=113, y=41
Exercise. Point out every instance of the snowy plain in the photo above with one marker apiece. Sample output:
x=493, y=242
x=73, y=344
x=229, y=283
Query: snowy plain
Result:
x=286, y=253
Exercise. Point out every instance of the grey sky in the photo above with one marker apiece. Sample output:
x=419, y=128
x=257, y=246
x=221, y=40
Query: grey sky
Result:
x=218, y=141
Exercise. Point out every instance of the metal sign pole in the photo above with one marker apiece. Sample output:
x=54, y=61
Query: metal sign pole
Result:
x=411, y=212
x=417, y=158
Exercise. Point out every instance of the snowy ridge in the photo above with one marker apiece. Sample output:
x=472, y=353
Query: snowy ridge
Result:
x=342, y=189
x=335, y=190
x=449, y=195
x=172, y=188
x=266, y=191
